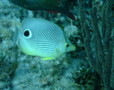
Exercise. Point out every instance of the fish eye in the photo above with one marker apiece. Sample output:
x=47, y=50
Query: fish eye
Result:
x=27, y=33
x=67, y=45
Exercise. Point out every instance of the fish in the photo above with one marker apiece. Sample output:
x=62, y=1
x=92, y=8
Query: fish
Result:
x=43, y=38
x=48, y=5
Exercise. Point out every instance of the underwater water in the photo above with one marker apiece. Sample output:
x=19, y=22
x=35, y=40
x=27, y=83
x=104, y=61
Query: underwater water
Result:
x=85, y=25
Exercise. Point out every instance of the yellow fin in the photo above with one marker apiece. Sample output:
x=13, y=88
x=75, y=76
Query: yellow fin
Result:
x=47, y=58
x=71, y=48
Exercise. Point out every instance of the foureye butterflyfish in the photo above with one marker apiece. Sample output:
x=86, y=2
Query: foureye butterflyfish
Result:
x=42, y=38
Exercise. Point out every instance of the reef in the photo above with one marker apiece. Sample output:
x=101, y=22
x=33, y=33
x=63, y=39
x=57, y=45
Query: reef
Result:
x=90, y=67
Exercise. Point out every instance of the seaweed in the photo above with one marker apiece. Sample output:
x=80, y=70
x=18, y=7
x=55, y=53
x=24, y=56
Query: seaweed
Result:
x=101, y=55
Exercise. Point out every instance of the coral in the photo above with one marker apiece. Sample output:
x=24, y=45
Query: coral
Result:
x=101, y=55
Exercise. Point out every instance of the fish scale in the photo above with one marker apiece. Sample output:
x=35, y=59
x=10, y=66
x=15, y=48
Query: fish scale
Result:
x=47, y=36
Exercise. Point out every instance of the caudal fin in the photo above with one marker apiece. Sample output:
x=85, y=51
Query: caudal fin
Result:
x=71, y=48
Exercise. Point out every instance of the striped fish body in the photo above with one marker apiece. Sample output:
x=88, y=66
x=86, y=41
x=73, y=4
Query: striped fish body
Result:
x=42, y=38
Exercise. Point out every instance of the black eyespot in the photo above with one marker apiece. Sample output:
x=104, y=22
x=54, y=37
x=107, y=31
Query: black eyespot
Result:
x=67, y=45
x=26, y=33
